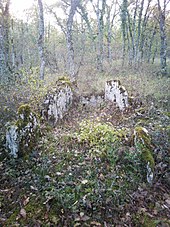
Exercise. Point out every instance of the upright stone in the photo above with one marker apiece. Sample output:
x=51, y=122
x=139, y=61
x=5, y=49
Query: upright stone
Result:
x=114, y=92
x=58, y=101
x=22, y=135
x=143, y=144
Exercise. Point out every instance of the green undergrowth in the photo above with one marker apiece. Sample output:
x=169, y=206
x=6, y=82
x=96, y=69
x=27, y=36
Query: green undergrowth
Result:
x=82, y=185
x=145, y=220
x=99, y=173
x=86, y=173
x=99, y=137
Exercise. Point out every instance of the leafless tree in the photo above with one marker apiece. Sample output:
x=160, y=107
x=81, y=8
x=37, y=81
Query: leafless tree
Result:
x=41, y=39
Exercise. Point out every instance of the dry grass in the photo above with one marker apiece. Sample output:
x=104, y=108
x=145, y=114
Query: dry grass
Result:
x=143, y=82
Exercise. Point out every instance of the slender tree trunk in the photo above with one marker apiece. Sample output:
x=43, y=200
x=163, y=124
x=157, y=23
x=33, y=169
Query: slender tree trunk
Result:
x=137, y=51
x=155, y=52
x=109, y=21
x=109, y=50
x=69, y=37
x=13, y=53
x=163, y=46
x=124, y=30
x=4, y=41
x=143, y=29
x=131, y=39
x=100, y=27
x=151, y=44
x=41, y=39
x=2, y=55
x=84, y=15
x=133, y=32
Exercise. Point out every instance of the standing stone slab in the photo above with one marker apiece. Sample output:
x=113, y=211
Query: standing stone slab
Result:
x=58, y=101
x=22, y=135
x=143, y=143
x=114, y=92
x=12, y=140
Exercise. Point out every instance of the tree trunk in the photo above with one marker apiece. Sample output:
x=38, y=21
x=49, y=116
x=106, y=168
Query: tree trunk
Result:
x=4, y=41
x=41, y=39
x=109, y=25
x=84, y=15
x=163, y=46
x=138, y=39
x=124, y=26
x=151, y=43
x=99, y=10
x=100, y=25
x=70, y=48
x=143, y=29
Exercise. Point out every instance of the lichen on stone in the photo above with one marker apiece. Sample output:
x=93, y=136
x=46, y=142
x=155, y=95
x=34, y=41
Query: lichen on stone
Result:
x=58, y=100
x=22, y=134
x=12, y=140
x=114, y=92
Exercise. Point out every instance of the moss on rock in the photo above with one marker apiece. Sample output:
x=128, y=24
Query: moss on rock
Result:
x=62, y=82
x=142, y=141
x=23, y=134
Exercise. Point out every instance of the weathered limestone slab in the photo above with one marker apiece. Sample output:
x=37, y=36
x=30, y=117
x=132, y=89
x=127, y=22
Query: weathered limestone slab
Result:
x=58, y=101
x=142, y=142
x=22, y=134
x=92, y=100
x=12, y=140
x=114, y=92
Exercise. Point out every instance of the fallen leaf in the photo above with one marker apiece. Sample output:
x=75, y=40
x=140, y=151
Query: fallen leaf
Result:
x=167, y=201
x=155, y=212
x=46, y=216
x=142, y=210
x=77, y=224
x=84, y=181
x=85, y=218
x=55, y=220
x=101, y=177
x=26, y=201
x=94, y=223
x=33, y=188
x=23, y=213
x=81, y=214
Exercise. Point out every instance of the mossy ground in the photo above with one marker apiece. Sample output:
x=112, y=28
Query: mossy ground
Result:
x=79, y=176
x=70, y=181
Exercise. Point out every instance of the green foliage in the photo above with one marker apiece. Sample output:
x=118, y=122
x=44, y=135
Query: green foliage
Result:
x=98, y=172
x=100, y=139
x=96, y=134
x=144, y=220
x=63, y=81
x=88, y=176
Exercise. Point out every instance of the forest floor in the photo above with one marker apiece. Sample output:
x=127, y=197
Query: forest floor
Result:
x=69, y=181
x=86, y=171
